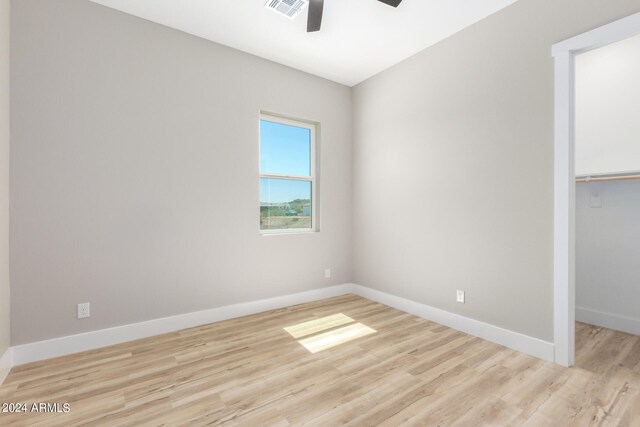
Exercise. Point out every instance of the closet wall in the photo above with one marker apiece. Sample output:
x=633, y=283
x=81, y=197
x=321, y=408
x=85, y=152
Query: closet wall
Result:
x=608, y=213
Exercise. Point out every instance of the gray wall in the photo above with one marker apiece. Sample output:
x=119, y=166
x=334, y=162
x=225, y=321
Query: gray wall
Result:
x=135, y=172
x=453, y=179
x=135, y=182
x=608, y=248
x=4, y=175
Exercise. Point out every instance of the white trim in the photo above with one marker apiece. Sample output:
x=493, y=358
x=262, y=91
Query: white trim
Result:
x=55, y=347
x=514, y=340
x=267, y=233
x=614, y=32
x=286, y=177
x=564, y=214
x=6, y=363
x=75, y=343
x=564, y=179
x=608, y=320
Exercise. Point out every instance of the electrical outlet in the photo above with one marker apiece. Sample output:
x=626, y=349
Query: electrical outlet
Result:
x=327, y=273
x=84, y=310
x=460, y=296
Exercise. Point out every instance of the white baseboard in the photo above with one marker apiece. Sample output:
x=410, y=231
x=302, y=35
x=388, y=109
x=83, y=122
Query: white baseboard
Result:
x=514, y=340
x=608, y=320
x=6, y=363
x=55, y=347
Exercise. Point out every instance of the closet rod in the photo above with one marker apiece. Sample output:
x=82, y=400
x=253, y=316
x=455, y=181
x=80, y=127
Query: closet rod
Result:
x=607, y=178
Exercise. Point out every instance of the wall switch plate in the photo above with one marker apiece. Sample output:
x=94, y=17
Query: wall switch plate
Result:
x=327, y=273
x=460, y=296
x=595, y=201
x=84, y=310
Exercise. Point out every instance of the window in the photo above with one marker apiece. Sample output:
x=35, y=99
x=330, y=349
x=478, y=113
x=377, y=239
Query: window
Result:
x=287, y=175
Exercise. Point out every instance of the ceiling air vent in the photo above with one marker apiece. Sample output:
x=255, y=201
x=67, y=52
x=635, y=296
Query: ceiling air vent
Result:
x=288, y=8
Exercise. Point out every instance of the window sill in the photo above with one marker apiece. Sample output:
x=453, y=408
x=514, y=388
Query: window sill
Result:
x=287, y=233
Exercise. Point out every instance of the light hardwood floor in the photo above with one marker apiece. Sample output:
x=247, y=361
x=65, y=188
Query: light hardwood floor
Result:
x=250, y=371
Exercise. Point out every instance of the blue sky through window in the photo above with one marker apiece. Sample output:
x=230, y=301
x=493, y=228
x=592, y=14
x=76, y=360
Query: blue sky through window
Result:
x=284, y=150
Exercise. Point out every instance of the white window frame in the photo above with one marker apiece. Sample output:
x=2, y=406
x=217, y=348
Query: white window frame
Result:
x=311, y=179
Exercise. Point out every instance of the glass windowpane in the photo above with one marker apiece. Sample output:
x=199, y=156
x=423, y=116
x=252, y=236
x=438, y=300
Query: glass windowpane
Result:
x=285, y=204
x=284, y=149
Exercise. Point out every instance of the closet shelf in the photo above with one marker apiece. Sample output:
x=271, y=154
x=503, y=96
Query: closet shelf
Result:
x=600, y=178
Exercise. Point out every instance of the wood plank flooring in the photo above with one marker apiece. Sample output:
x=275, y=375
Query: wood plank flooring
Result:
x=251, y=372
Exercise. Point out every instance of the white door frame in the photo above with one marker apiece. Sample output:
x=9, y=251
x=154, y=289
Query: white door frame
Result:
x=564, y=179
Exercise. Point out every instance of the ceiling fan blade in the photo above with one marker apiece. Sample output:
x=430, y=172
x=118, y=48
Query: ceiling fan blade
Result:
x=314, y=21
x=393, y=3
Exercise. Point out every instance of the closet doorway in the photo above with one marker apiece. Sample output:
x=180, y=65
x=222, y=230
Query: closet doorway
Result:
x=607, y=221
x=608, y=172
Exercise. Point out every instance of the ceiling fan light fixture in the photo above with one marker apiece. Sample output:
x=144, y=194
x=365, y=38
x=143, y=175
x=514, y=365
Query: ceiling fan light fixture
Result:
x=291, y=9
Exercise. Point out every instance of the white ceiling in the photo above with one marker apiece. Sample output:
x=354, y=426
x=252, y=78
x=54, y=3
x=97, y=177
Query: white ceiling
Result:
x=359, y=38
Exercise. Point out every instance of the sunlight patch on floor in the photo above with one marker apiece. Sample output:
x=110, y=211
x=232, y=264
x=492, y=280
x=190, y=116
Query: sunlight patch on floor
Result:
x=318, y=325
x=336, y=337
